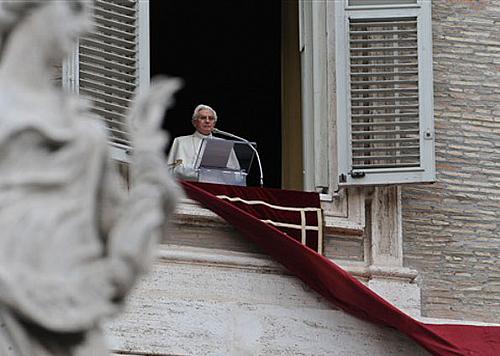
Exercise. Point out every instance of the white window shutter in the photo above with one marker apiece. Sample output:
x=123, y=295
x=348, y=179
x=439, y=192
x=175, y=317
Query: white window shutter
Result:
x=384, y=85
x=313, y=47
x=112, y=62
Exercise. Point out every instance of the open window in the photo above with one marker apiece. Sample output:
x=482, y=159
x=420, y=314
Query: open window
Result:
x=228, y=54
x=385, y=132
x=255, y=76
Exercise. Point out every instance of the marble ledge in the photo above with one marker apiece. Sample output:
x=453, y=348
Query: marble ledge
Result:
x=191, y=213
x=264, y=264
x=366, y=272
x=218, y=258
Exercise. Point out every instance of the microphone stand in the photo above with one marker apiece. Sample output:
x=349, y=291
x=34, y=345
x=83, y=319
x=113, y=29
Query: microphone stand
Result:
x=250, y=145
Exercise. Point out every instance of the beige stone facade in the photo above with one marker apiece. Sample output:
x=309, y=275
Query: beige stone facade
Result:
x=451, y=229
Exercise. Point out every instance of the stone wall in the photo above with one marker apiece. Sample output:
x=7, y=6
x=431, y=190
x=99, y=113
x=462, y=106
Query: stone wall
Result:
x=452, y=228
x=205, y=301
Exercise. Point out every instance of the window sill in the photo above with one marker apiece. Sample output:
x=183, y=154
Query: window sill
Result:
x=190, y=212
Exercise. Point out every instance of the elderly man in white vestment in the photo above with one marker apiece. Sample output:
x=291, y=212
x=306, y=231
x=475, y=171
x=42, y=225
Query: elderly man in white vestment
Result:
x=183, y=158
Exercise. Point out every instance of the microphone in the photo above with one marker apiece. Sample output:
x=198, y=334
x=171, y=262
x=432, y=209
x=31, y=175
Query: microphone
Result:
x=224, y=133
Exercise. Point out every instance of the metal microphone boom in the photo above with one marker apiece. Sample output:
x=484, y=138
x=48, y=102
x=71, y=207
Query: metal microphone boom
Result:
x=250, y=145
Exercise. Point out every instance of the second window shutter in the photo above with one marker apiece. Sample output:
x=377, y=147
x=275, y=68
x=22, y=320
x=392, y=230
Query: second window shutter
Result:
x=387, y=130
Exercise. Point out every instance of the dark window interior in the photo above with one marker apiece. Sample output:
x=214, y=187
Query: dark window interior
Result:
x=228, y=54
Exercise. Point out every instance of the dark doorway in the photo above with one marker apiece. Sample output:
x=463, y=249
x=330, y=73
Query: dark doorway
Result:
x=228, y=54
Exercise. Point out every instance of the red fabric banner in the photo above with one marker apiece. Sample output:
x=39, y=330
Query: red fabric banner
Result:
x=339, y=287
x=284, y=208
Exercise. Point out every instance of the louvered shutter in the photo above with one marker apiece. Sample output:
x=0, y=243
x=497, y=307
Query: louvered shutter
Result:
x=384, y=77
x=111, y=63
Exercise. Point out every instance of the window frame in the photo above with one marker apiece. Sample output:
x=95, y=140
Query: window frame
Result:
x=316, y=89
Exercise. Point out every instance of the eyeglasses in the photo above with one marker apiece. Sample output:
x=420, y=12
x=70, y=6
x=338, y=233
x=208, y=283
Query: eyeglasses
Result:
x=209, y=118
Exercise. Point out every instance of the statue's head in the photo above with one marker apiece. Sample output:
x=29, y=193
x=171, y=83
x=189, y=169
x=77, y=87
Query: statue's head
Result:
x=54, y=24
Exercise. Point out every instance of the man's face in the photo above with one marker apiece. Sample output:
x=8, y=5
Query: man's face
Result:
x=205, y=122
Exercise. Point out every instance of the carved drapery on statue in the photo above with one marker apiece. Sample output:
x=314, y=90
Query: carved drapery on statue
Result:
x=73, y=239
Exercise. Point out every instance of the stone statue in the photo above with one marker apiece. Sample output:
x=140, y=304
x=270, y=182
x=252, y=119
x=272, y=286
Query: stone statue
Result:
x=73, y=240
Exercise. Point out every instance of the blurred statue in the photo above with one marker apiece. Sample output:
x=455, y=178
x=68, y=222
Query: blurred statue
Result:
x=73, y=240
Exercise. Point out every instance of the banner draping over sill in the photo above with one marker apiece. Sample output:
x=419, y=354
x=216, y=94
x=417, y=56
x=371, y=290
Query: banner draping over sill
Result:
x=298, y=214
x=338, y=286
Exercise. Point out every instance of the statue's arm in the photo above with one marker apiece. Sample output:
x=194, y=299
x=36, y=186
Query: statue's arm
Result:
x=153, y=192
